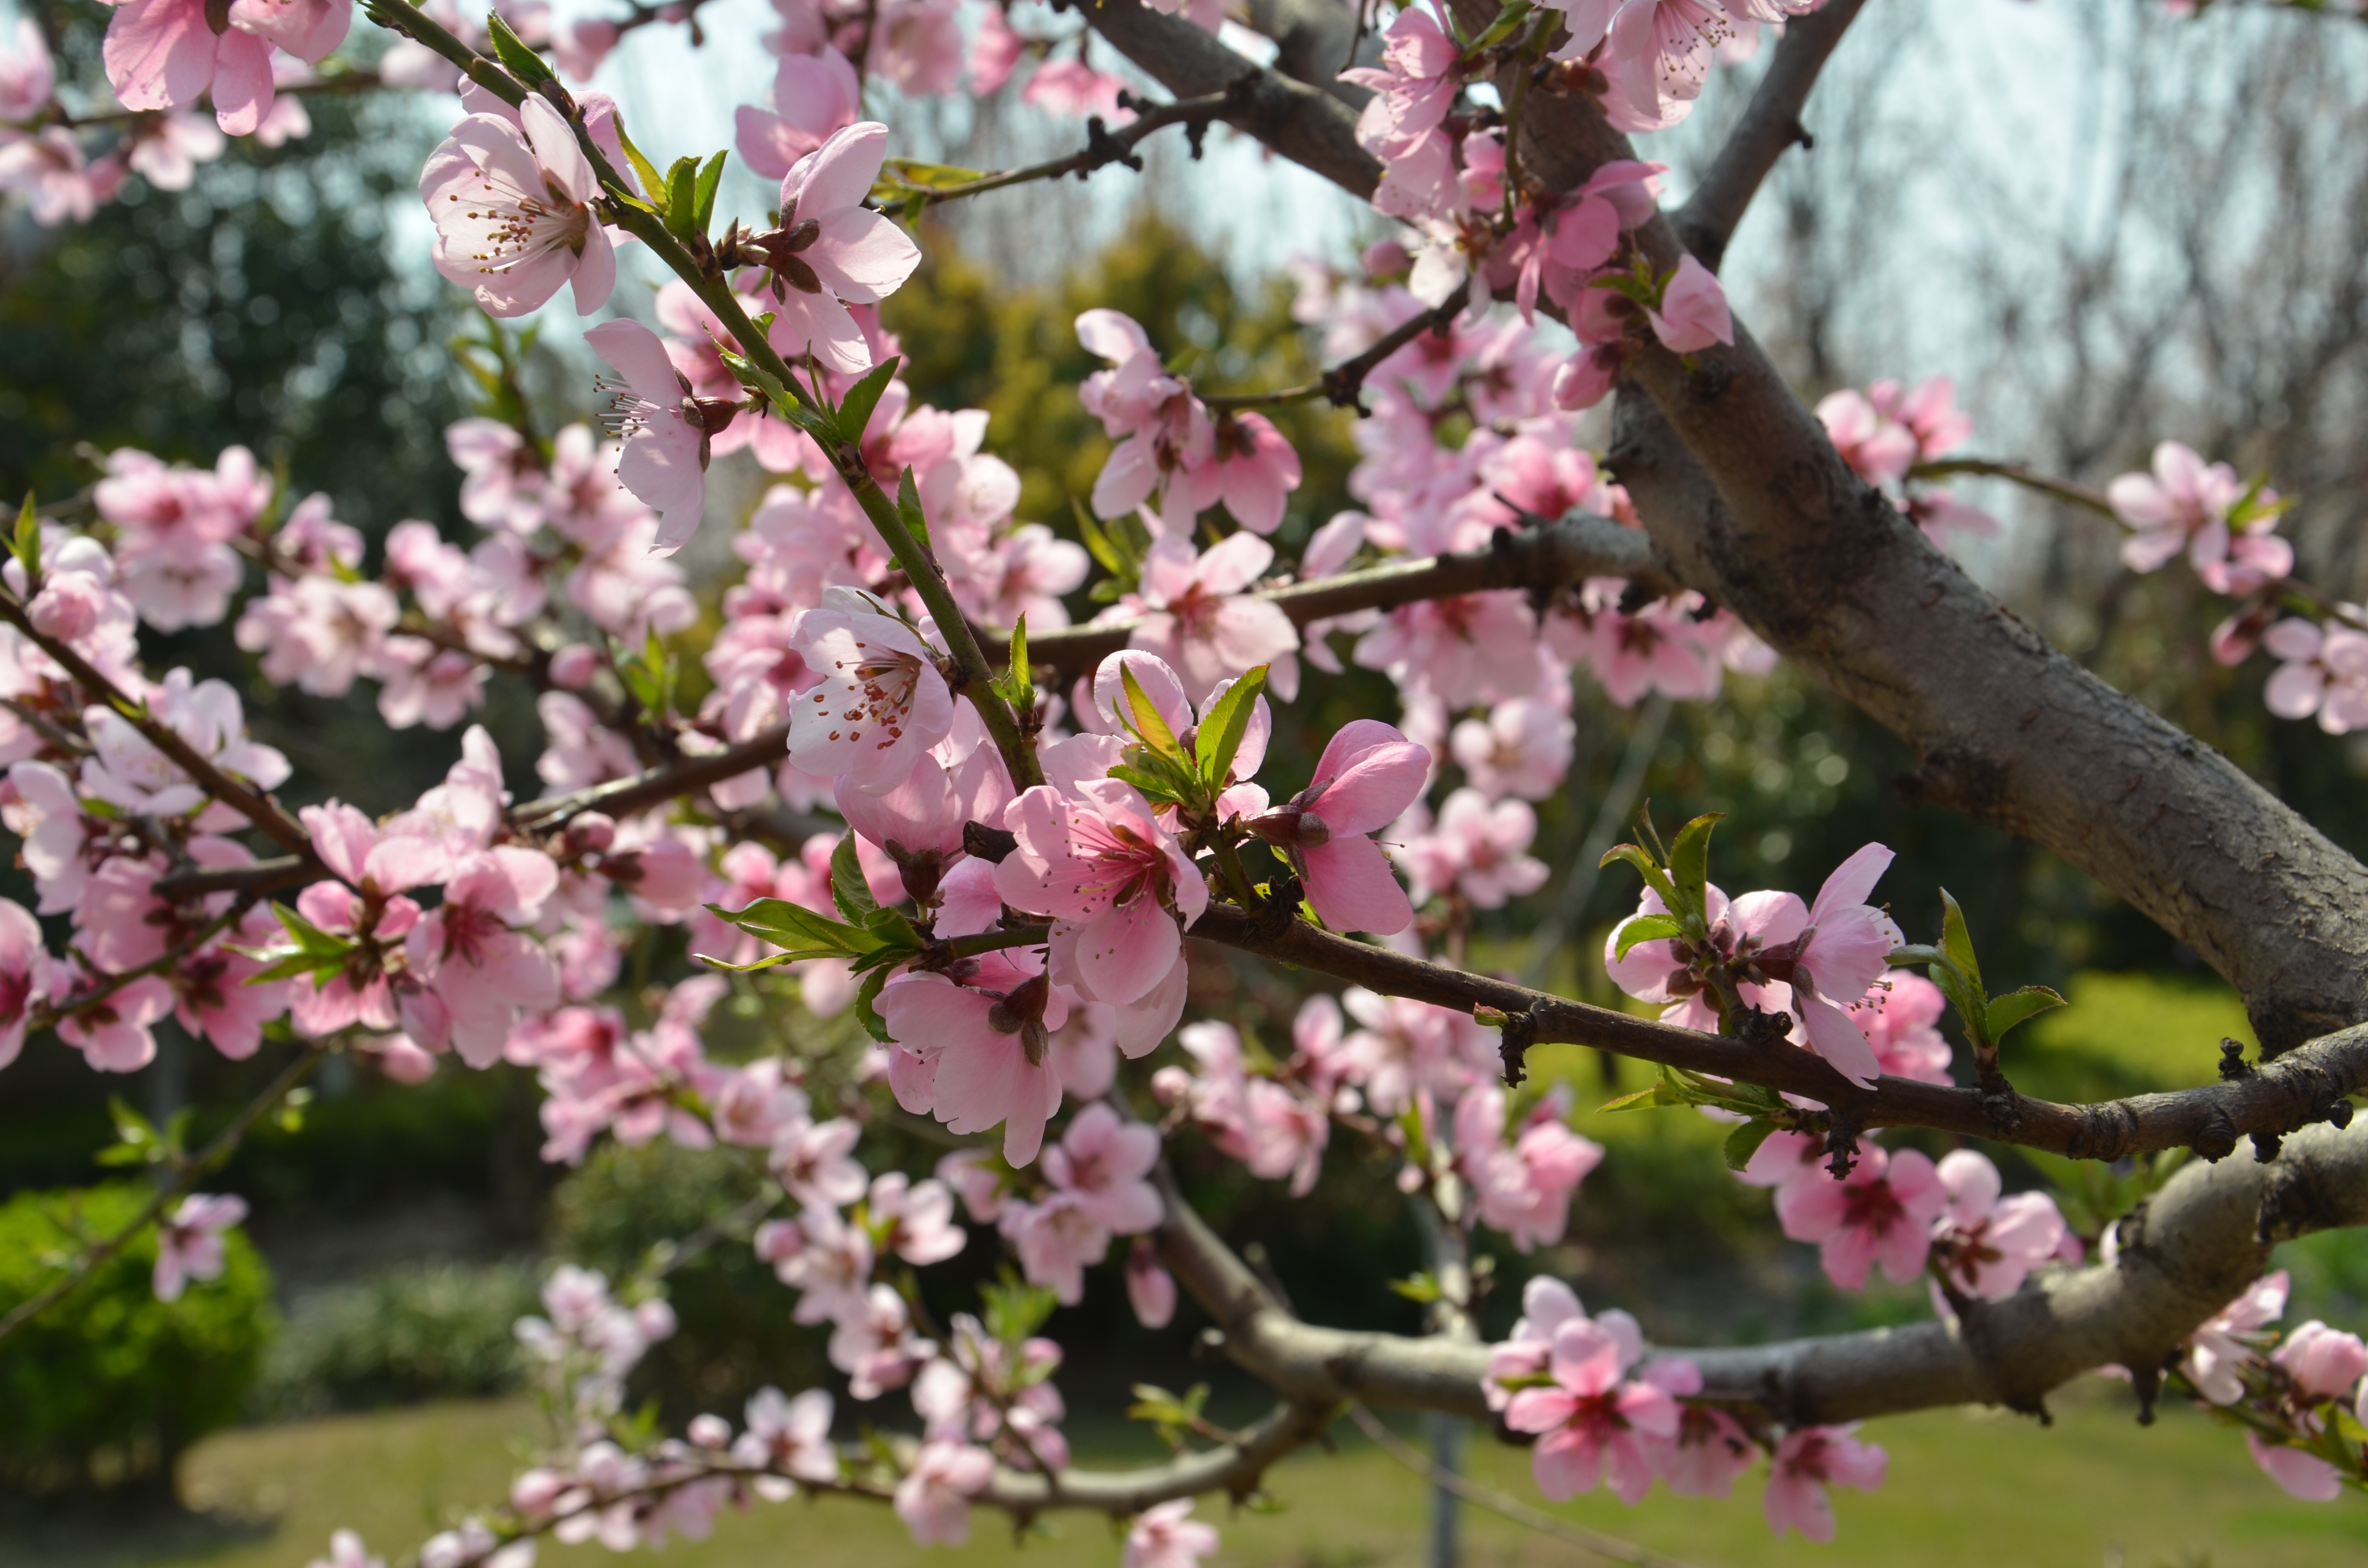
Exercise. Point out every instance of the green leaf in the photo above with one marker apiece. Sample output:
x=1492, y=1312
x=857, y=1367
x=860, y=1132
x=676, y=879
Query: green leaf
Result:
x=855, y=409
x=1744, y=1142
x=850, y=890
x=2019, y=1006
x=1222, y=731
x=524, y=62
x=1667, y=1092
x=1417, y=1287
x=912, y=173
x=867, y=1006
x=681, y=197
x=1161, y=786
x=644, y=171
x=27, y=545
x=1017, y=685
x=797, y=928
x=1645, y=929
x=908, y=506
x=1015, y=1309
x=1690, y=863
x=1646, y=866
x=1149, y=725
x=1098, y=543
x=1956, y=940
x=709, y=177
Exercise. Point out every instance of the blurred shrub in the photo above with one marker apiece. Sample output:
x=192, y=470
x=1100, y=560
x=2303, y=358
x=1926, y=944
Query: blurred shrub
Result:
x=105, y=1389
x=734, y=1335
x=417, y=1331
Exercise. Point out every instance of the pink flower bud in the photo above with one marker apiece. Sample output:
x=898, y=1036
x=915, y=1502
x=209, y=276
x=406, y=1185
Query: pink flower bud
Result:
x=591, y=833
x=710, y=1431
x=68, y=607
x=1149, y=1288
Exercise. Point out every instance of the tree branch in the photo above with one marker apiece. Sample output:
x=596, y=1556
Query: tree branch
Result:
x=1771, y=123
x=2184, y=1255
x=1306, y=126
x=2283, y=1095
x=1541, y=558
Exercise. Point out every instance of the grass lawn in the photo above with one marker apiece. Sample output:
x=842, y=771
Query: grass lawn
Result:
x=1966, y=1488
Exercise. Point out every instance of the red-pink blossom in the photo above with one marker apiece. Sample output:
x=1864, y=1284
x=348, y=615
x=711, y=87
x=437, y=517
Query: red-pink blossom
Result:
x=1368, y=775
x=1100, y=865
x=1593, y=1424
x=1987, y=1244
x=1693, y=313
x=1880, y=1213
x=1900, y=1014
x=1809, y=1461
x=477, y=971
x=974, y=1056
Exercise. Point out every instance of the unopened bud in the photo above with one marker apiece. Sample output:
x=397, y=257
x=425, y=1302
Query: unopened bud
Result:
x=591, y=833
x=572, y=666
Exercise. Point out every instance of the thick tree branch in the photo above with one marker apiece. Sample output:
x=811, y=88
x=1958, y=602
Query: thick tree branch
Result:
x=1542, y=559
x=1771, y=123
x=2183, y=1255
x=2291, y=1091
x=1310, y=128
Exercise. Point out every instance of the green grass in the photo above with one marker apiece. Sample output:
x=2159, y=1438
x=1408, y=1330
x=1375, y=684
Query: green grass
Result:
x=1966, y=1488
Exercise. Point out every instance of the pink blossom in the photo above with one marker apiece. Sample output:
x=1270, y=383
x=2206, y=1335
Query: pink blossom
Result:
x=1476, y=852
x=1900, y=1014
x=1524, y=1190
x=511, y=204
x=2325, y=672
x=1368, y=775
x=1593, y=1422
x=974, y=1057
x=1192, y=611
x=1522, y=747
x=1150, y=1288
x=815, y=1162
x=1118, y=883
x=189, y=1245
x=2185, y=503
x=1710, y=1448
x=1057, y=1240
x=815, y=96
x=165, y=54
x=914, y=1220
x=1405, y=1046
x=1468, y=648
x=2224, y=1344
x=1101, y=1162
x=25, y=975
x=1882, y=1212
x=113, y=1033
x=28, y=77
x=1282, y=1133
x=1879, y=450
x=1989, y=1245
x=1071, y=88
x=1693, y=313
x=1546, y=1304
x=166, y=150
x=995, y=52
x=2305, y=1477
x=881, y=703
x=479, y=972
x=823, y=1258
x=1167, y=1536
x=345, y=1550
x=856, y=257
x=48, y=169
x=664, y=428
x=789, y=1436
x=934, y=1497
x=318, y=632
x=1160, y=427
x=1250, y=467
x=1808, y=1461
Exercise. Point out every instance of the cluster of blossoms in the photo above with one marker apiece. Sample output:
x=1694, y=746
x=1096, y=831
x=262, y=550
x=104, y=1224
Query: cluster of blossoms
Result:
x=1888, y=432
x=2304, y=1406
x=1566, y=1379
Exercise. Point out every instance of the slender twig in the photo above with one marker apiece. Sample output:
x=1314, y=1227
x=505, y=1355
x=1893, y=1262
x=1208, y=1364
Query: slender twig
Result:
x=224, y=1143
x=1344, y=384
x=1609, y=1546
x=1771, y=123
x=242, y=797
x=1103, y=147
x=2029, y=479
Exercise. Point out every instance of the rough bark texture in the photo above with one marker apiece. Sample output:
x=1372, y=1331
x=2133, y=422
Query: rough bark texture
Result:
x=2184, y=1255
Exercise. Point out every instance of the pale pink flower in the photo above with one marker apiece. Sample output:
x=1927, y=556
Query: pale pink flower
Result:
x=1368, y=775
x=1900, y=1014
x=1989, y=1245
x=995, y=52
x=1150, y=1288
x=24, y=974
x=815, y=96
x=318, y=632
x=1592, y=1423
x=1193, y=611
x=1546, y=1304
x=974, y=1057
x=1069, y=86
x=345, y=1550
x=2324, y=1363
x=1118, y=883
x=815, y=1162
x=934, y=1497
x=1057, y=1240
x=27, y=76
x=189, y=1245
x=1406, y=1046
x=1100, y=1161
x=1284, y=1133
x=823, y=1258
x=1879, y=450
x=1805, y=1463
x=478, y=971
x=511, y=204
x=1524, y=1190
x=1523, y=748
x=856, y=257
x=1693, y=313
x=166, y=150
x=165, y=54
x=789, y=1436
x=1710, y=1448
x=664, y=427
x=2325, y=672
x=880, y=702
x=114, y=1034
x=1249, y=467
x=1465, y=649
x=2303, y=1476
x=1160, y=427
x=2185, y=503
x=1882, y=1212
x=914, y=1220
x=48, y=169
x=1477, y=851
x=1167, y=1536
